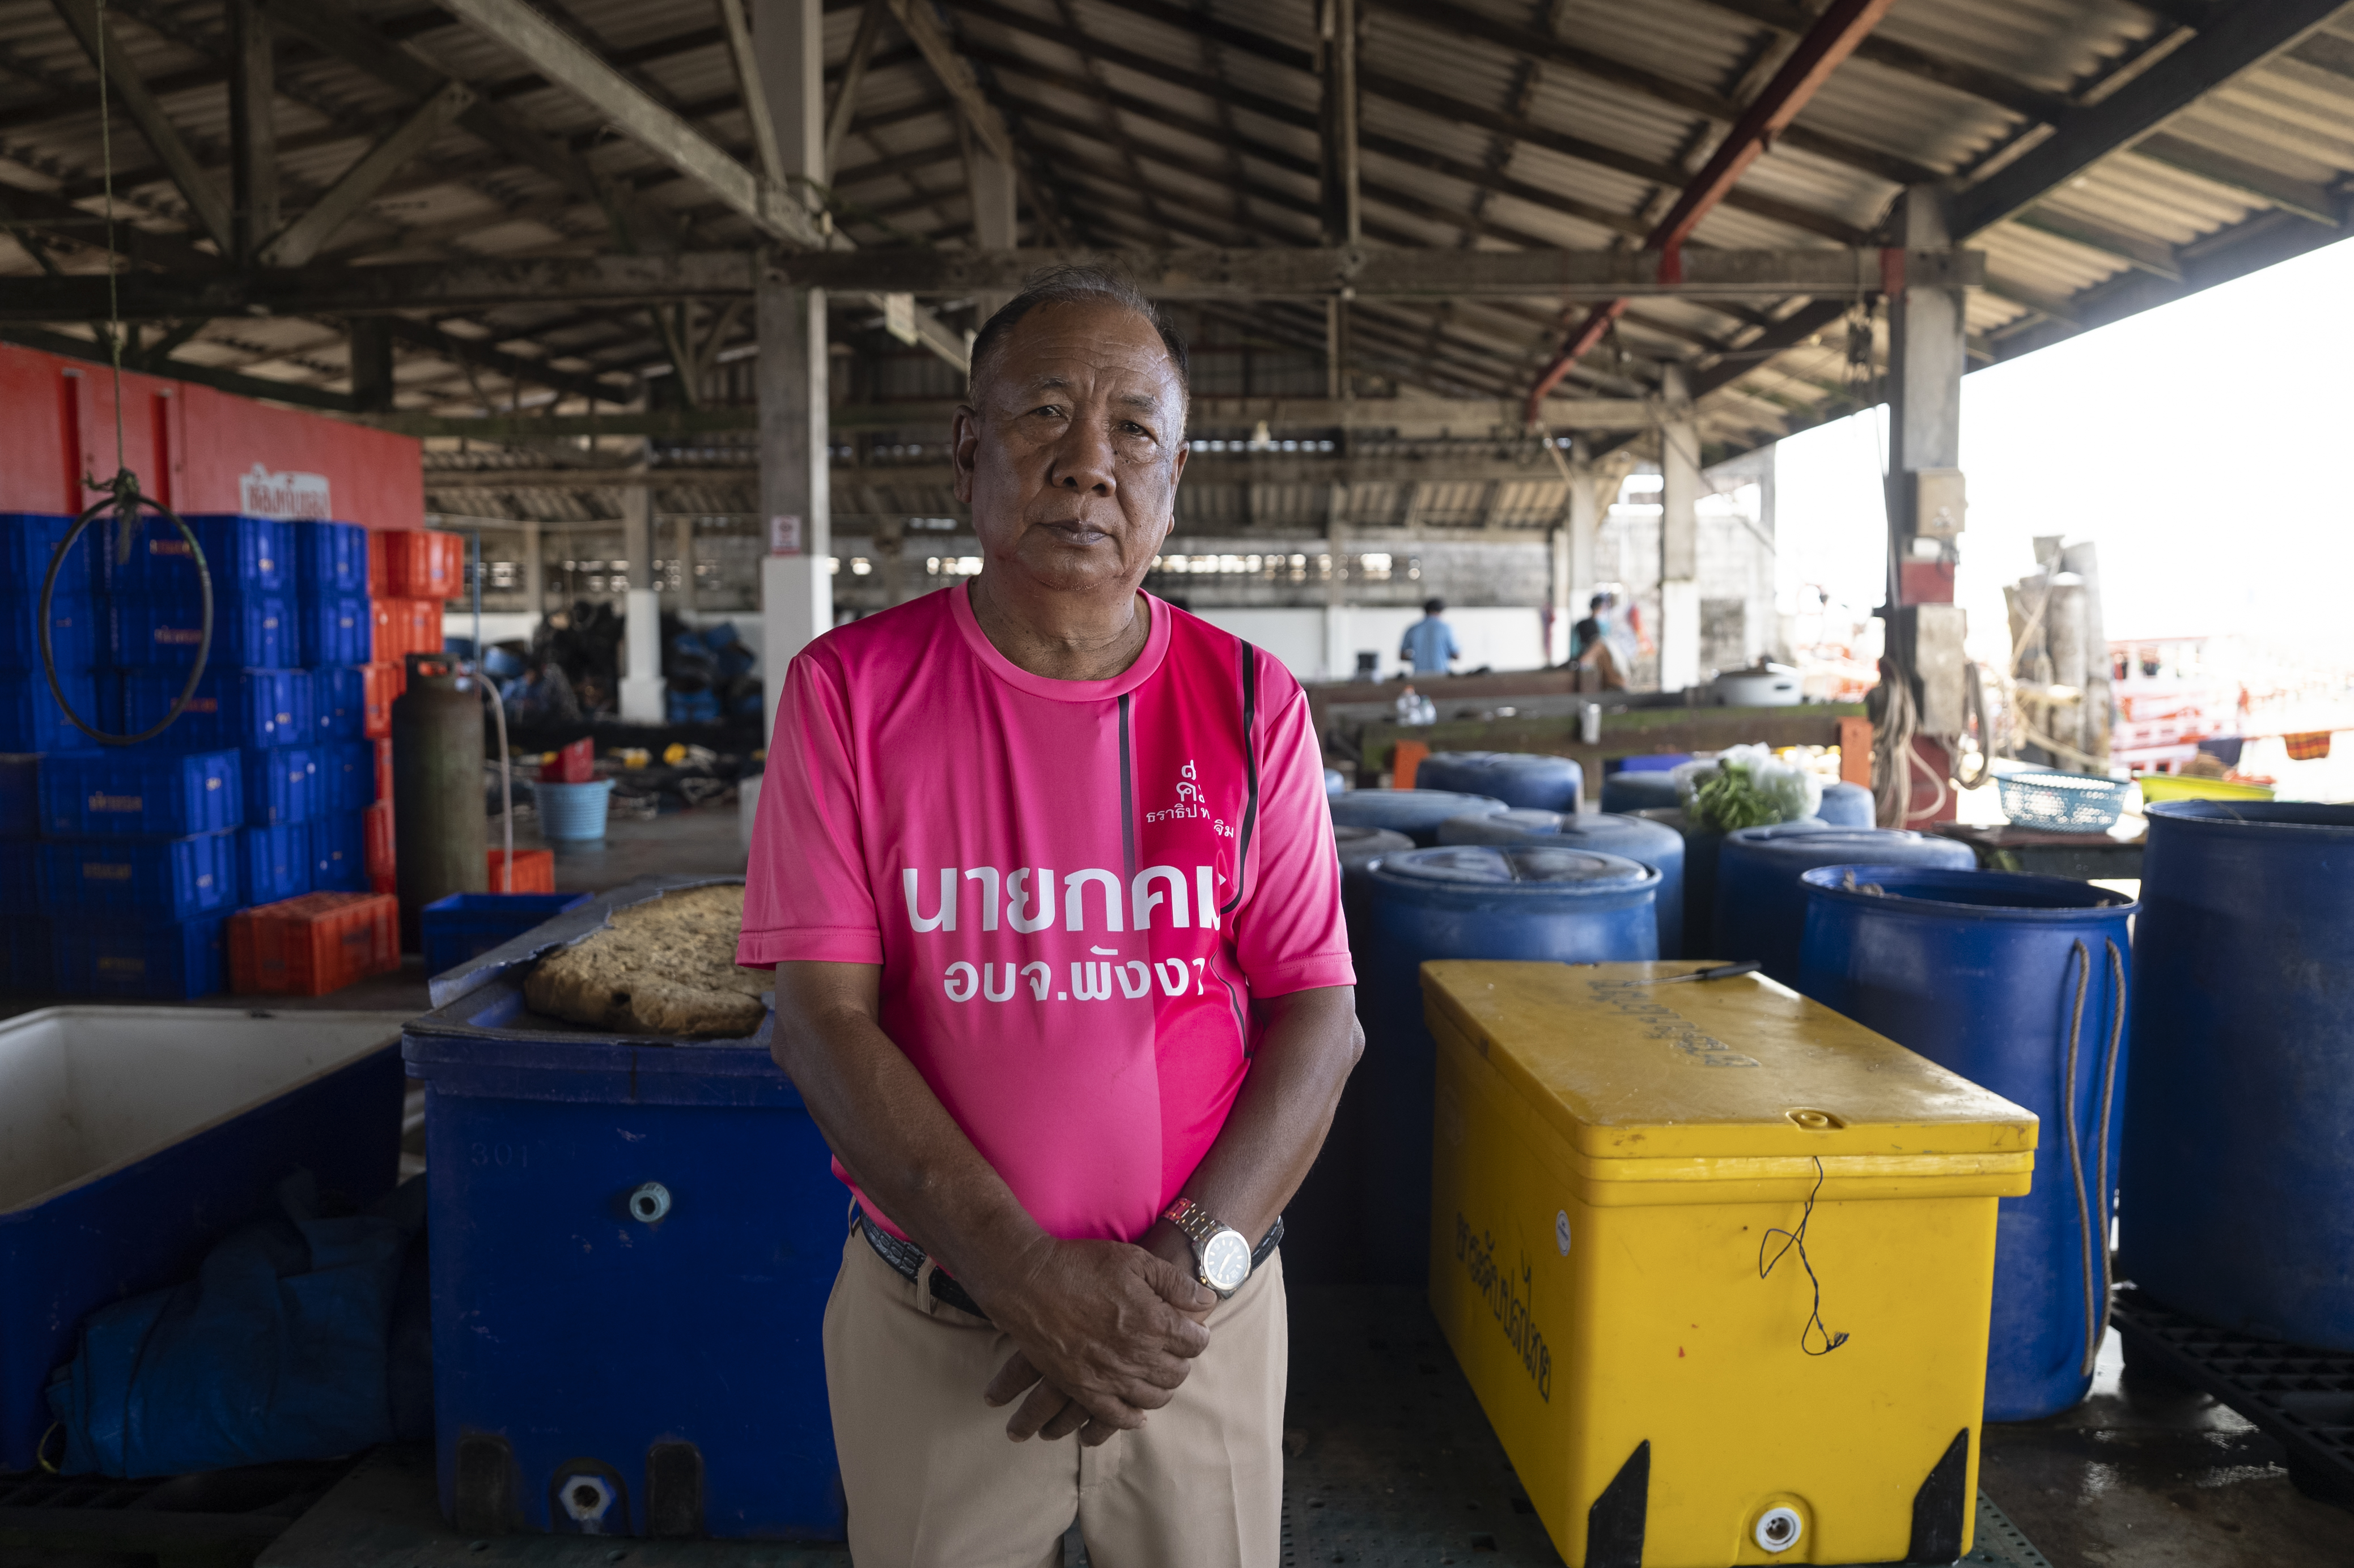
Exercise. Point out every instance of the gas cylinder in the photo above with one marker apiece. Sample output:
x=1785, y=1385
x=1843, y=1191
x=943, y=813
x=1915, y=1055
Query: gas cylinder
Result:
x=438, y=826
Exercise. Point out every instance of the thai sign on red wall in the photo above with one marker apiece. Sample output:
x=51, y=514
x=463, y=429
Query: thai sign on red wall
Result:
x=193, y=448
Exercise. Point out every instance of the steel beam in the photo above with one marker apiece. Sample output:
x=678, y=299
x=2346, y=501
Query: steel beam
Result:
x=105, y=51
x=1201, y=469
x=252, y=129
x=853, y=75
x=357, y=186
x=2237, y=37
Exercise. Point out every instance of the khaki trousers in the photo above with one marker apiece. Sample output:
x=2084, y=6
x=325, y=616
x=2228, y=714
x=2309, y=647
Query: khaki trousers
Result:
x=934, y=1482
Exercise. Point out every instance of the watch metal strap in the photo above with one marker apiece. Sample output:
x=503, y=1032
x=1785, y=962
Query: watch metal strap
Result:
x=1193, y=1220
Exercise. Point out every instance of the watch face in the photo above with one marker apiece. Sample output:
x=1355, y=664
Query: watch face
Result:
x=1225, y=1260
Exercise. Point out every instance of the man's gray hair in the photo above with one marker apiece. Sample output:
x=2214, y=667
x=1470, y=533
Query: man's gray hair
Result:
x=1081, y=284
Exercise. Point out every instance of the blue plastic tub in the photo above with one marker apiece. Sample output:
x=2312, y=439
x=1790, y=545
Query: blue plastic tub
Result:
x=28, y=965
x=20, y=795
x=1416, y=814
x=572, y=811
x=464, y=925
x=1761, y=905
x=720, y=1301
x=1563, y=905
x=242, y=554
x=1978, y=971
x=331, y=558
x=339, y=702
x=31, y=721
x=130, y=959
x=142, y=791
x=138, y=1137
x=151, y=879
x=273, y=863
x=347, y=775
x=284, y=784
x=335, y=628
x=78, y=630
x=338, y=852
x=1638, y=789
x=1528, y=780
x=163, y=630
x=2239, y=1161
x=29, y=540
x=1847, y=805
x=231, y=707
x=1604, y=832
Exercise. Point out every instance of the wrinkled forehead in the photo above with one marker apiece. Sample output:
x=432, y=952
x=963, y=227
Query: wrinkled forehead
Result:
x=1086, y=350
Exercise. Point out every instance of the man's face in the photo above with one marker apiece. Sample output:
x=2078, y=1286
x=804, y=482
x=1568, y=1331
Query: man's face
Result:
x=1070, y=452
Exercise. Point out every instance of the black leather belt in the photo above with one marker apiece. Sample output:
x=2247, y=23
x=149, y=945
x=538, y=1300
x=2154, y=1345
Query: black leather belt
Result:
x=907, y=1258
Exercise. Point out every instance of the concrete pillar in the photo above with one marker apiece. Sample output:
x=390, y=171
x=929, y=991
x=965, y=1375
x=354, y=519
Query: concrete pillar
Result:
x=641, y=681
x=683, y=532
x=1926, y=361
x=1340, y=659
x=993, y=218
x=1678, y=631
x=535, y=571
x=1581, y=540
x=796, y=502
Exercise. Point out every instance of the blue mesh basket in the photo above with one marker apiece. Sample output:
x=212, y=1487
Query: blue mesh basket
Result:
x=572, y=811
x=2062, y=802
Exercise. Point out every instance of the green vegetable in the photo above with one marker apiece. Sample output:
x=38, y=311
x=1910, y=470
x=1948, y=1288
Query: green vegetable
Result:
x=1730, y=797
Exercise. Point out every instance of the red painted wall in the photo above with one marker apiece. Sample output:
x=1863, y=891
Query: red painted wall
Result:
x=191, y=447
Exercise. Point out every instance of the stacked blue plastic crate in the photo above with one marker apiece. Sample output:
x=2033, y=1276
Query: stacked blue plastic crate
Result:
x=32, y=724
x=337, y=630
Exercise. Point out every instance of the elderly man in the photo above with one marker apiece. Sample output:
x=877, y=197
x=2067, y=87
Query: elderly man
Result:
x=1045, y=869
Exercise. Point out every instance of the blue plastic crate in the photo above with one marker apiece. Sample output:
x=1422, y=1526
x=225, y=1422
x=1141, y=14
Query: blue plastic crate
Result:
x=29, y=540
x=273, y=863
x=339, y=702
x=20, y=885
x=331, y=558
x=339, y=852
x=146, y=791
x=457, y=927
x=336, y=628
x=20, y=795
x=242, y=554
x=166, y=961
x=284, y=784
x=348, y=769
x=79, y=636
x=231, y=707
x=31, y=721
x=205, y=1110
x=251, y=631
x=152, y=879
x=28, y=964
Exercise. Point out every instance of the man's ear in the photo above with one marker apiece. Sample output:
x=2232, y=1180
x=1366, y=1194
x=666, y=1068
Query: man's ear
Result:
x=964, y=450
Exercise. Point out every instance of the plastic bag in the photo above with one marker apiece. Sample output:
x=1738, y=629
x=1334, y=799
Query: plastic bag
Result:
x=1745, y=787
x=301, y=1337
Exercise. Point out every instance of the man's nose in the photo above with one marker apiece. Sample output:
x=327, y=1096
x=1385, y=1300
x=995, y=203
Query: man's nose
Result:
x=1083, y=460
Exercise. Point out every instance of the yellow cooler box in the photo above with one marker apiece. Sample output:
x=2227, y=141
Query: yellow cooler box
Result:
x=1717, y=1261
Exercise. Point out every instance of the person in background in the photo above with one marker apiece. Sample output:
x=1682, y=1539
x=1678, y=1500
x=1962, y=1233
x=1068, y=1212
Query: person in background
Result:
x=1589, y=645
x=1429, y=643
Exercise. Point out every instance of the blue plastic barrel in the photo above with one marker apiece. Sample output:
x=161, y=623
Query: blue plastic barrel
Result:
x=1524, y=779
x=1416, y=814
x=1977, y=971
x=1359, y=848
x=1848, y=805
x=1761, y=907
x=1605, y=833
x=1564, y=905
x=1647, y=790
x=1701, y=848
x=572, y=811
x=2239, y=1160
x=1335, y=782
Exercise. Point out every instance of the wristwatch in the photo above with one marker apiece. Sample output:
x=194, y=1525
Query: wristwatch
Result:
x=1221, y=1255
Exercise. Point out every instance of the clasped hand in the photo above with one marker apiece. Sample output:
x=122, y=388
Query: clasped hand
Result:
x=1104, y=1331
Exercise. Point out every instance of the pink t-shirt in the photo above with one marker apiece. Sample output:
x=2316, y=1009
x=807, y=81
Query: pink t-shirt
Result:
x=1070, y=887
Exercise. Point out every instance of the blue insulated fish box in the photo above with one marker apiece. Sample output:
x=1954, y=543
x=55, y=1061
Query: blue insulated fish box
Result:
x=331, y=558
x=538, y=1135
x=163, y=630
x=240, y=553
x=335, y=628
x=155, y=879
x=284, y=784
x=155, y=794
x=338, y=852
x=274, y=862
x=78, y=633
x=339, y=702
x=136, y=1137
x=229, y=707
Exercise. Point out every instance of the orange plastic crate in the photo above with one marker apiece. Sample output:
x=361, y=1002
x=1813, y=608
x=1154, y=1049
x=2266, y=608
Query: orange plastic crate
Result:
x=406, y=626
x=420, y=563
x=379, y=684
x=384, y=769
x=377, y=821
x=313, y=945
x=534, y=871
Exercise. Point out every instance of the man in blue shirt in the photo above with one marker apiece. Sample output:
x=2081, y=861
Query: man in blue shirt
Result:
x=1429, y=643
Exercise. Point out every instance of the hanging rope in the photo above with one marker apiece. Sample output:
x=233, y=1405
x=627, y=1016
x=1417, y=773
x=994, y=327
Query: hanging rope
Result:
x=2094, y=1237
